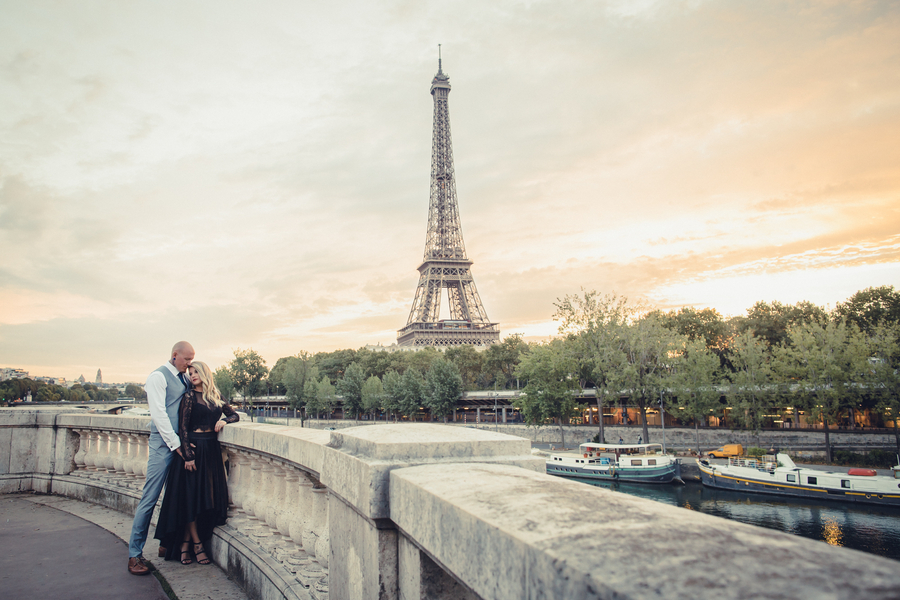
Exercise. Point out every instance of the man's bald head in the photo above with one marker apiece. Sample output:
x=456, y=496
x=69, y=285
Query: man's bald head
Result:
x=182, y=355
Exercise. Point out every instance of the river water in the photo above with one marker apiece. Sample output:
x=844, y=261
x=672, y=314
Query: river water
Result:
x=871, y=529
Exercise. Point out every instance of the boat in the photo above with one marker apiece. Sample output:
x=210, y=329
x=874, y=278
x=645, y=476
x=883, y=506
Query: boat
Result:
x=639, y=463
x=777, y=474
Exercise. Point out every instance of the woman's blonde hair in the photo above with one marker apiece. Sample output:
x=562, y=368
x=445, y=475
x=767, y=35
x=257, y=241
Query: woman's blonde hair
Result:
x=210, y=392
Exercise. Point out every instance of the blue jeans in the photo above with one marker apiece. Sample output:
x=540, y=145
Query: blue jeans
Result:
x=157, y=469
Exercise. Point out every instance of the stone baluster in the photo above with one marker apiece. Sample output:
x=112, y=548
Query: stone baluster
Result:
x=121, y=452
x=102, y=454
x=109, y=455
x=92, y=450
x=320, y=524
x=305, y=523
x=266, y=483
x=131, y=456
x=252, y=487
x=235, y=461
x=276, y=503
x=143, y=456
x=83, y=442
x=289, y=504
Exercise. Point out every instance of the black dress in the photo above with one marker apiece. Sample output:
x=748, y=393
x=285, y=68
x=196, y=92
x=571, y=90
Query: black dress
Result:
x=200, y=495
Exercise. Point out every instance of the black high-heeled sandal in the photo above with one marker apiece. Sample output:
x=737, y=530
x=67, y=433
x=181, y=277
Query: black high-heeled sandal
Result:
x=186, y=553
x=202, y=561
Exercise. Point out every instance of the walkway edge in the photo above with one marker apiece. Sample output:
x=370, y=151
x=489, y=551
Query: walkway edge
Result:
x=194, y=582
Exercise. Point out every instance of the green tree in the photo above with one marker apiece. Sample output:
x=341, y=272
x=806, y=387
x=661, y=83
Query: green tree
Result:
x=645, y=349
x=411, y=393
x=324, y=397
x=871, y=307
x=350, y=388
x=248, y=369
x=444, y=386
x=333, y=364
x=591, y=323
x=295, y=373
x=550, y=389
x=771, y=321
x=393, y=392
x=753, y=381
x=310, y=393
x=500, y=360
x=469, y=362
x=373, y=395
x=222, y=377
x=695, y=379
x=826, y=360
x=884, y=372
x=135, y=391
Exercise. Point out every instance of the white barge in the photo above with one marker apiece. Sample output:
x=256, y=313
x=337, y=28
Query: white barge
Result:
x=639, y=463
x=779, y=475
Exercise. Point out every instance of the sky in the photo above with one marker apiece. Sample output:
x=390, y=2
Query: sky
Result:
x=256, y=175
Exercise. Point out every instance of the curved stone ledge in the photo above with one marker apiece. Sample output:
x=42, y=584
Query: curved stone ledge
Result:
x=430, y=511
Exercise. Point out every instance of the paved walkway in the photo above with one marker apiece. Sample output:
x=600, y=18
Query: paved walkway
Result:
x=57, y=548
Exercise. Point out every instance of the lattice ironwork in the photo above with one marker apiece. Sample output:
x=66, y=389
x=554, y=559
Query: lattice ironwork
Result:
x=445, y=265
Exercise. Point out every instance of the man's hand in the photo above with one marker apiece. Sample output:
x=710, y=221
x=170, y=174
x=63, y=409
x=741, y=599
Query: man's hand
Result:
x=178, y=450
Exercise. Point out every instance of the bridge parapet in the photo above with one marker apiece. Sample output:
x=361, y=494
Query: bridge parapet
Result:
x=430, y=511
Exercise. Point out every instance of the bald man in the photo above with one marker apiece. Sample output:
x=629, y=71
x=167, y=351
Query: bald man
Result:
x=165, y=386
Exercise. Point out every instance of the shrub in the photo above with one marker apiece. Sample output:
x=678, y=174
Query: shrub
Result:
x=756, y=452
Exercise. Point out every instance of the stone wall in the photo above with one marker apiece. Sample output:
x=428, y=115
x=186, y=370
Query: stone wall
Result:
x=430, y=511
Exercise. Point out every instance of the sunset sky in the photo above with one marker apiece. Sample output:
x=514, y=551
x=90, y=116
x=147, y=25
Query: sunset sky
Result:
x=255, y=175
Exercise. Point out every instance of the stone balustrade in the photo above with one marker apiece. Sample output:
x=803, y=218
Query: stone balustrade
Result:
x=429, y=511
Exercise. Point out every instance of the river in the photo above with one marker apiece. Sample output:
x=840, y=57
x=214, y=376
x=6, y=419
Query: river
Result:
x=871, y=529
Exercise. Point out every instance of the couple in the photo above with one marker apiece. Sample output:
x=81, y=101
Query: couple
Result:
x=186, y=414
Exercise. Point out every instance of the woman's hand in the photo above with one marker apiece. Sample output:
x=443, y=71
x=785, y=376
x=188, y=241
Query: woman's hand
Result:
x=190, y=465
x=220, y=425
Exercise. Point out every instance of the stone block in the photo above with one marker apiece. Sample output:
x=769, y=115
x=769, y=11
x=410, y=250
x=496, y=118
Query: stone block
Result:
x=363, y=558
x=508, y=533
x=358, y=460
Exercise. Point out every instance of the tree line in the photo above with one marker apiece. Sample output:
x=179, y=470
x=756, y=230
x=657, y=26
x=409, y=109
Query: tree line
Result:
x=18, y=389
x=778, y=360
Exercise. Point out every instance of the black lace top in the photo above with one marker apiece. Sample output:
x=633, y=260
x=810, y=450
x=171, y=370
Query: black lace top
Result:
x=195, y=414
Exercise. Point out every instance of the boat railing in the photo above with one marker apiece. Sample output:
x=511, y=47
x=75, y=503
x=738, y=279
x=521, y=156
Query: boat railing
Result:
x=766, y=466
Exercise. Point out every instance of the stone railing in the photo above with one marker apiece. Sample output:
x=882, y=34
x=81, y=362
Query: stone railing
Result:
x=428, y=511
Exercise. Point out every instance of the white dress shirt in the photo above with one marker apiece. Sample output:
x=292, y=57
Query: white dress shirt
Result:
x=156, y=399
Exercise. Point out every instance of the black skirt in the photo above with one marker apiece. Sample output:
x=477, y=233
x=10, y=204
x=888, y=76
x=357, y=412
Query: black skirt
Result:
x=200, y=495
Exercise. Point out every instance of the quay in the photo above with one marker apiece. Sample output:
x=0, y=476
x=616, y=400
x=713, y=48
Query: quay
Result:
x=430, y=511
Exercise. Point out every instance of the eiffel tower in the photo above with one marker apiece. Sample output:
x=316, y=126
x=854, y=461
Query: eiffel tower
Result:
x=445, y=264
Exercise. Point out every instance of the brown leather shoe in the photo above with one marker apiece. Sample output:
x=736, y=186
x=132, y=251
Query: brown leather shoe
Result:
x=137, y=566
x=162, y=552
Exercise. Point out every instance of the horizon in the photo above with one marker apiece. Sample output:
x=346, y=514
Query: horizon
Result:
x=258, y=177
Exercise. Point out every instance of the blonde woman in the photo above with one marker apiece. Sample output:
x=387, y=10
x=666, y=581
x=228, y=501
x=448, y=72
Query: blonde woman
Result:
x=196, y=497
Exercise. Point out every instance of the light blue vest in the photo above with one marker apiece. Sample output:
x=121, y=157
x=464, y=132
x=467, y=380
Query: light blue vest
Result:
x=174, y=391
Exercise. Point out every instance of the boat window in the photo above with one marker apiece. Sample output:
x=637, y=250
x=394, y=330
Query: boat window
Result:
x=812, y=480
x=651, y=461
x=791, y=478
x=636, y=462
x=845, y=483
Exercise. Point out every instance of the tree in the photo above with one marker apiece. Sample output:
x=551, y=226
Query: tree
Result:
x=373, y=396
x=295, y=372
x=500, y=360
x=350, y=388
x=752, y=387
x=411, y=393
x=248, y=369
x=444, y=386
x=771, y=322
x=469, y=362
x=310, y=392
x=694, y=381
x=324, y=397
x=136, y=392
x=826, y=360
x=393, y=391
x=591, y=323
x=333, y=364
x=550, y=388
x=871, y=307
x=884, y=372
x=222, y=377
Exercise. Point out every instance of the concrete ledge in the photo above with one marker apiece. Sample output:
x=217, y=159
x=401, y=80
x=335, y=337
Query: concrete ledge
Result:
x=359, y=459
x=553, y=538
